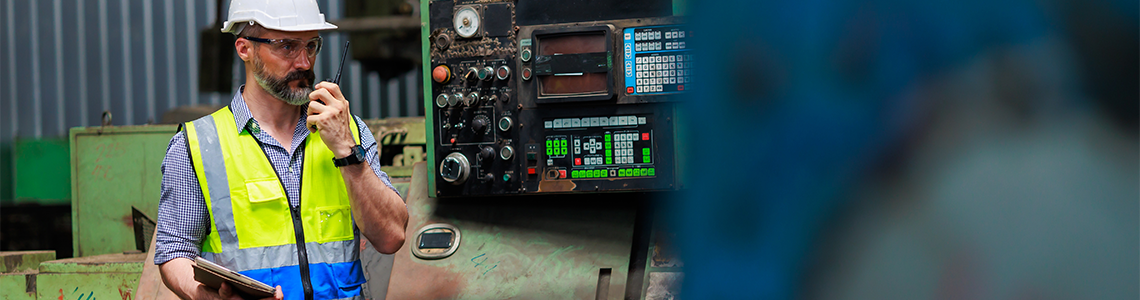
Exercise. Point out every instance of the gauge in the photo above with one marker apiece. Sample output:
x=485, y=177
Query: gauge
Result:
x=466, y=21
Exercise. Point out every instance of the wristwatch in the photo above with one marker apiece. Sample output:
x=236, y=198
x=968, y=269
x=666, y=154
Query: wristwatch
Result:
x=356, y=157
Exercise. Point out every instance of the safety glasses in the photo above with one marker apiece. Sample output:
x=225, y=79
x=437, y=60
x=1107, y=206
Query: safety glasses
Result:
x=290, y=48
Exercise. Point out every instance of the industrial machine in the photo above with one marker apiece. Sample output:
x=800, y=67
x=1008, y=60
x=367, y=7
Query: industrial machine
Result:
x=551, y=137
x=531, y=97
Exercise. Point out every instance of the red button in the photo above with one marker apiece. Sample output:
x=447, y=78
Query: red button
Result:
x=577, y=161
x=629, y=90
x=561, y=173
x=453, y=140
x=645, y=136
x=441, y=74
x=681, y=87
x=530, y=170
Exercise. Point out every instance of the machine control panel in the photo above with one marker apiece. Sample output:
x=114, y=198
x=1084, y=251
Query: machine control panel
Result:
x=530, y=98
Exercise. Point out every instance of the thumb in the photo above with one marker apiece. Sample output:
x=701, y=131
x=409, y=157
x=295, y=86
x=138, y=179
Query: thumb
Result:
x=278, y=295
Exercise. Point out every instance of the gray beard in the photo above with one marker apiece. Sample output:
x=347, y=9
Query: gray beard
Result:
x=279, y=87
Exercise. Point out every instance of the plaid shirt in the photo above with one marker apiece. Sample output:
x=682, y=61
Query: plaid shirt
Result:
x=183, y=219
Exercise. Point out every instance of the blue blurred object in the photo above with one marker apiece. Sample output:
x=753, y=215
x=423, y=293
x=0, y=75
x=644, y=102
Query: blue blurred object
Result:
x=795, y=103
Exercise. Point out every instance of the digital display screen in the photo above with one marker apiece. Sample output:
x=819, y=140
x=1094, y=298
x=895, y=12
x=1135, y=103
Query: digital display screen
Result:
x=570, y=80
x=435, y=240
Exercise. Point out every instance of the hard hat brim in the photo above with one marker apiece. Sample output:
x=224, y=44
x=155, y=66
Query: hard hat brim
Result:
x=228, y=26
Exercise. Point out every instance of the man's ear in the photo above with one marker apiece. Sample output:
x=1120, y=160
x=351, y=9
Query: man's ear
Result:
x=244, y=49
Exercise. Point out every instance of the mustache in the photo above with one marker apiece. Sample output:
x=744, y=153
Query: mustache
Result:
x=307, y=75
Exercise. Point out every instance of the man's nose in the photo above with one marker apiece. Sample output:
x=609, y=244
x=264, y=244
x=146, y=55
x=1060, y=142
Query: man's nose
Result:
x=303, y=62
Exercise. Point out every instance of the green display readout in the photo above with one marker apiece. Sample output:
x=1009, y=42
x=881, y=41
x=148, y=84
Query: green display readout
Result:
x=602, y=173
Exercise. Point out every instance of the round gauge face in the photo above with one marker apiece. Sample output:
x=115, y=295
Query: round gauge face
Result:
x=466, y=22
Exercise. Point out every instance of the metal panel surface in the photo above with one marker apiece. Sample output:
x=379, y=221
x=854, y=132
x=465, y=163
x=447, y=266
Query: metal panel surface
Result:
x=114, y=168
x=110, y=276
x=555, y=249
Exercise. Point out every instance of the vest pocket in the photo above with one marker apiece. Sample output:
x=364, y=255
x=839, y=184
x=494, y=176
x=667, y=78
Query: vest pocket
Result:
x=334, y=223
x=263, y=219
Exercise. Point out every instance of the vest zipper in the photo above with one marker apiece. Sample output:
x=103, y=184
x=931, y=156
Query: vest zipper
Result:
x=302, y=255
x=298, y=230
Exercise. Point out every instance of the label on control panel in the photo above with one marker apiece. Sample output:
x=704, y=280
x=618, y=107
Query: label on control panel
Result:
x=601, y=147
x=657, y=60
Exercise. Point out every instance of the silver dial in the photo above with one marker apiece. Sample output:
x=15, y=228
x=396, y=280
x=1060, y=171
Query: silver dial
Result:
x=466, y=21
x=454, y=168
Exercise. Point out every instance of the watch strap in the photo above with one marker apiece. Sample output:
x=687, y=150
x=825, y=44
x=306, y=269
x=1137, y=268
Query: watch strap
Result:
x=356, y=157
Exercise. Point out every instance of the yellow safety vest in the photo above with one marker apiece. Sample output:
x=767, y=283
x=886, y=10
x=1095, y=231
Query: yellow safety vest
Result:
x=252, y=224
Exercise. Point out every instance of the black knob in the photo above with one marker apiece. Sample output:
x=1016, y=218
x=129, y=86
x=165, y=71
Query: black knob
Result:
x=487, y=152
x=479, y=124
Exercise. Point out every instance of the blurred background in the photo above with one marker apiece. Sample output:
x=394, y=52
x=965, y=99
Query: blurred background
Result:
x=913, y=150
x=836, y=150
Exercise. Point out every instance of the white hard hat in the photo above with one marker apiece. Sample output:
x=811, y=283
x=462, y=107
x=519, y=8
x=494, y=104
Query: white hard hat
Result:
x=283, y=15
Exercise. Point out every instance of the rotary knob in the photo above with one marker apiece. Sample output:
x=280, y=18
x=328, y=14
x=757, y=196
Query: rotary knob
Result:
x=472, y=73
x=479, y=125
x=486, y=153
x=454, y=169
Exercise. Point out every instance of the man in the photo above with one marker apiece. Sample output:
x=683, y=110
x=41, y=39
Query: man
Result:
x=274, y=185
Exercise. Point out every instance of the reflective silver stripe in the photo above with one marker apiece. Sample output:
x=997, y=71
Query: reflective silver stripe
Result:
x=214, y=165
x=286, y=255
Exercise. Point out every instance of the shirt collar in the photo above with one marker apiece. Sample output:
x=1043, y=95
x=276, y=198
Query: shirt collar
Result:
x=242, y=116
x=245, y=118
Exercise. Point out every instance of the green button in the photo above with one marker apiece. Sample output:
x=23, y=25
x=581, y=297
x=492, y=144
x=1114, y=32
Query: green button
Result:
x=608, y=145
x=609, y=153
x=607, y=138
x=644, y=151
x=645, y=159
x=531, y=156
x=651, y=172
x=623, y=173
x=605, y=173
x=609, y=160
x=595, y=174
x=549, y=147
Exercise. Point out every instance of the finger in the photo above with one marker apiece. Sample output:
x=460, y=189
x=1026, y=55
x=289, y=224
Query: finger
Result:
x=323, y=95
x=224, y=291
x=316, y=107
x=334, y=89
x=279, y=295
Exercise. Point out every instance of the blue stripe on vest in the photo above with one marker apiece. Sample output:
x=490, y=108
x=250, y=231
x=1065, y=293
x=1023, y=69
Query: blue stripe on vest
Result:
x=347, y=276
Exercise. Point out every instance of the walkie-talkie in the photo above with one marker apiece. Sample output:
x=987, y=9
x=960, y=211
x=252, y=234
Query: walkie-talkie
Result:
x=336, y=80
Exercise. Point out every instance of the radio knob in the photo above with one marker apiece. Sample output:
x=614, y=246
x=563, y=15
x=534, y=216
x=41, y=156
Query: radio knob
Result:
x=454, y=169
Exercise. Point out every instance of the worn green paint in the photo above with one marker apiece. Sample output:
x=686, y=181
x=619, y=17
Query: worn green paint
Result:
x=23, y=261
x=114, y=168
x=109, y=276
x=14, y=287
x=106, y=263
x=41, y=171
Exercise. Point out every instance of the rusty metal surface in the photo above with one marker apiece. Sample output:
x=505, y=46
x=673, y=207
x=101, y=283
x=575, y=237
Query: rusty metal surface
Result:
x=532, y=248
x=401, y=143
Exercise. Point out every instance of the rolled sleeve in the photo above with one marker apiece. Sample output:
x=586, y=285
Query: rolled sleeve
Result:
x=183, y=219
